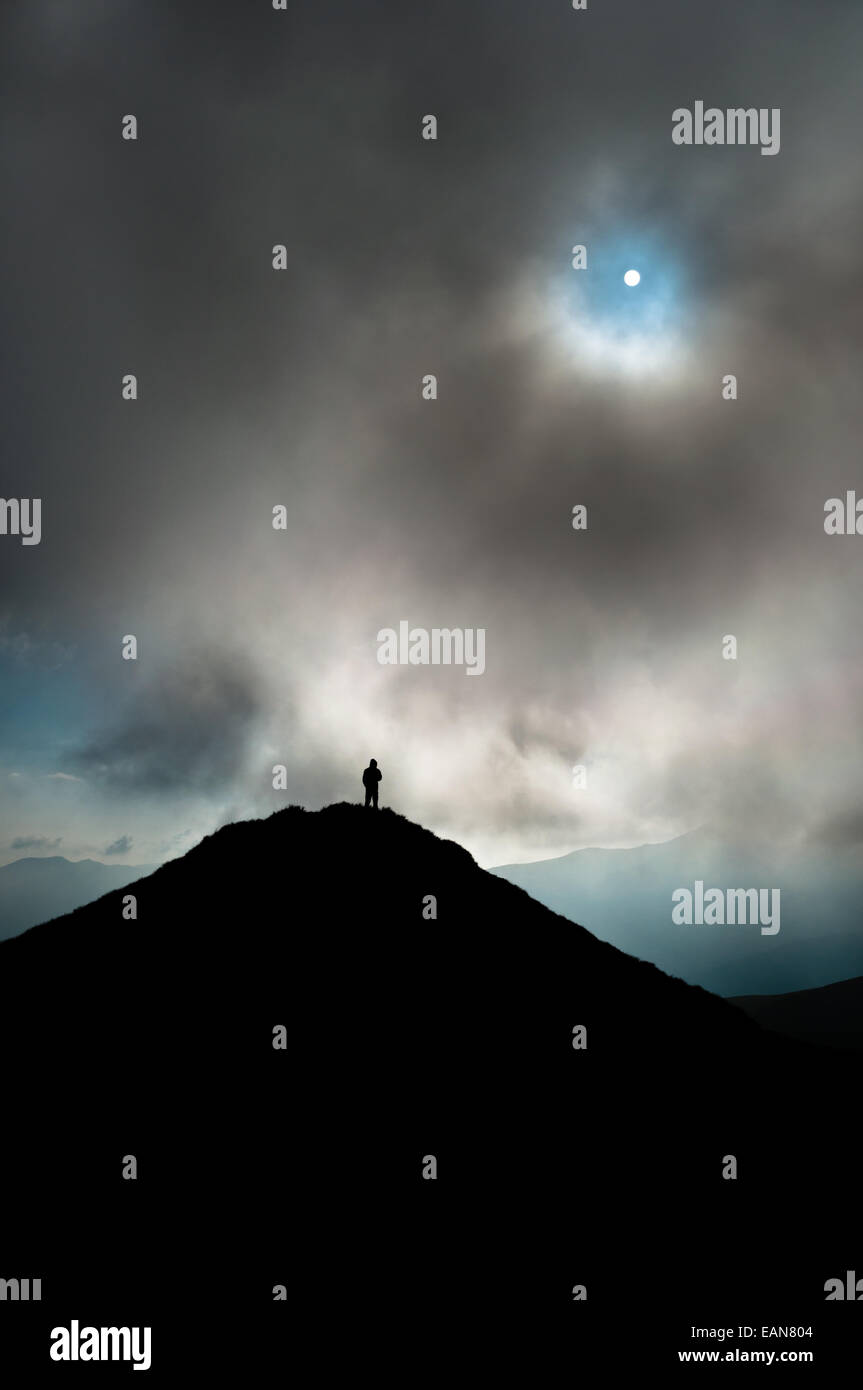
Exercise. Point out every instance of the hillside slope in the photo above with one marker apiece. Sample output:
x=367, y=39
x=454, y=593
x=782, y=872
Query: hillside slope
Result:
x=831, y=1014
x=407, y=1036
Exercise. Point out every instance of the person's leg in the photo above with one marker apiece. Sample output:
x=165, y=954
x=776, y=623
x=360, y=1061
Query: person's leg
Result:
x=375, y=797
x=368, y=795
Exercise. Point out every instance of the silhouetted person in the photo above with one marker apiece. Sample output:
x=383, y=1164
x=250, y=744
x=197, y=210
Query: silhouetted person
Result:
x=371, y=777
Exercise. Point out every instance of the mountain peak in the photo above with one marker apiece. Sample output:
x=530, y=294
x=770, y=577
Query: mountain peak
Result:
x=362, y=895
x=427, y=1007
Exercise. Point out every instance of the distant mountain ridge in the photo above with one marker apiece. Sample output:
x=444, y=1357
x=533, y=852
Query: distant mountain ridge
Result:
x=625, y=897
x=35, y=889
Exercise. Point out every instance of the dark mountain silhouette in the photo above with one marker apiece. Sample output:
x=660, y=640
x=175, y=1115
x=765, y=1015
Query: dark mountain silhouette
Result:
x=406, y=1037
x=34, y=889
x=624, y=897
x=832, y=1014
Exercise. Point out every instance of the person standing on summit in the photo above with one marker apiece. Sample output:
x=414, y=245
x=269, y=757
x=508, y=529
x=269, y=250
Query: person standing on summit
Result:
x=371, y=777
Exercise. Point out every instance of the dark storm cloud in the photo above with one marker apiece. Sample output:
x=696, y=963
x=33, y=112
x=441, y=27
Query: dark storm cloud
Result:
x=122, y=845
x=186, y=731
x=39, y=842
x=841, y=831
x=433, y=236
x=303, y=388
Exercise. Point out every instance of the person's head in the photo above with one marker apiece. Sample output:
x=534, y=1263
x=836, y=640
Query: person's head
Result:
x=373, y=762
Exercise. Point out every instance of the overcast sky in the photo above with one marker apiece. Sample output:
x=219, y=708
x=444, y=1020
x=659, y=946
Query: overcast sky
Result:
x=303, y=388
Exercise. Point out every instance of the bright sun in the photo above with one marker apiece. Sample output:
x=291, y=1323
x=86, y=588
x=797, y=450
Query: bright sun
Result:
x=636, y=329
